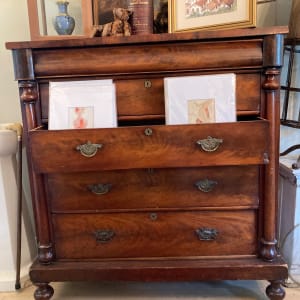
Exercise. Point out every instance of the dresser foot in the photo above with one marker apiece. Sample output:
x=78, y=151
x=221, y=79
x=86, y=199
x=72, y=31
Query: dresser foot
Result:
x=43, y=292
x=275, y=291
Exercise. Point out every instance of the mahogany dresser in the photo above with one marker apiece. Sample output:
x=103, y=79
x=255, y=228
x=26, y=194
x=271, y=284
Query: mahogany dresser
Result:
x=147, y=201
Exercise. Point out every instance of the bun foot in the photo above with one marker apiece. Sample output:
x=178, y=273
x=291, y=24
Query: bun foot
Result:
x=275, y=291
x=43, y=292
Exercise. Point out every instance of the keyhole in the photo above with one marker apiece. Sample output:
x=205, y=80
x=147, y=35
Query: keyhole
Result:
x=153, y=216
x=148, y=131
x=148, y=84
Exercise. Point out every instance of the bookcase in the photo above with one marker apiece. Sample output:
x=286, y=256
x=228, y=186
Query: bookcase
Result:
x=155, y=202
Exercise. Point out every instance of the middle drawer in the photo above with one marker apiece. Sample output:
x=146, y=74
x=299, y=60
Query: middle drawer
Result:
x=155, y=188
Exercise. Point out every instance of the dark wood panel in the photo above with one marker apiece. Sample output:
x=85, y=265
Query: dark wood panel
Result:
x=140, y=235
x=160, y=270
x=154, y=188
x=137, y=59
x=167, y=146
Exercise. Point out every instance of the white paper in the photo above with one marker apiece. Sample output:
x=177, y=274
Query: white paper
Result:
x=200, y=99
x=82, y=104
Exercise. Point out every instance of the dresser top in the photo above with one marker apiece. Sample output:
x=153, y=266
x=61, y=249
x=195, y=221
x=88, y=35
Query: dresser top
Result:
x=150, y=39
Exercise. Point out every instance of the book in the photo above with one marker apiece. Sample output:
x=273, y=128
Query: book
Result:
x=142, y=17
x=200, y=99
x=82, y=104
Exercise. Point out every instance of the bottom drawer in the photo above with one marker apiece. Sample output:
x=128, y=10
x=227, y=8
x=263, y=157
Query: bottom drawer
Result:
x=159, y=234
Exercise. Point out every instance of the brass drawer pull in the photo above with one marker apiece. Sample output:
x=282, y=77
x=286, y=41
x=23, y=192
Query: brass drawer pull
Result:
x=104, y=235
x=210, y=144
x=206, y=234
x=100, y=188
x=206, y=185
x=88, y=149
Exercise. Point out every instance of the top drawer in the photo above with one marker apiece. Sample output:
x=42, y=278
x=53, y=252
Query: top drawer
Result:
x=238, y=143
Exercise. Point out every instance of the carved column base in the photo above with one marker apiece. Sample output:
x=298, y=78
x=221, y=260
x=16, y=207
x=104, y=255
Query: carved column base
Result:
x=275, y=291
x=45, y=254
x=268, y=251
x=43, y=292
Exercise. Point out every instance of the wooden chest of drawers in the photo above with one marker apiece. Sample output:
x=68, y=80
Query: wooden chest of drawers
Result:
x=153, y=203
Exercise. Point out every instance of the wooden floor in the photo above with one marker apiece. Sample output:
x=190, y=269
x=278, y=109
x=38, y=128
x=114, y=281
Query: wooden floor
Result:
x=228, y=290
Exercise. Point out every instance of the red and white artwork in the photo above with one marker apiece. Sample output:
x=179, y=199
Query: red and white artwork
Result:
x=198, y=8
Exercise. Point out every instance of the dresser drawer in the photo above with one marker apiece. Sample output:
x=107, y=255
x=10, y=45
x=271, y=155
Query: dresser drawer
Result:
x=154, y=188
x=145, y=96
x=149, y=234
x=149, y=147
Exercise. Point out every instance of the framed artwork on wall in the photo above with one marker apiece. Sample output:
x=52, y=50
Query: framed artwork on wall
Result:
x=45, y=20
x=103, y=10
x=189, y=15
x=160, y=24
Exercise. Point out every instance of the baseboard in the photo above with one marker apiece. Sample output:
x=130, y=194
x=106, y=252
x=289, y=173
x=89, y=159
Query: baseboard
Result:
x=8, y=279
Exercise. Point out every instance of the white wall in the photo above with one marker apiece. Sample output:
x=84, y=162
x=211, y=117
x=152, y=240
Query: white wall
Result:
x=13, y=27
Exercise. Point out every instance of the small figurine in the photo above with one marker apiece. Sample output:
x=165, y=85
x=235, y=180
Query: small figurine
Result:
x=119, y=27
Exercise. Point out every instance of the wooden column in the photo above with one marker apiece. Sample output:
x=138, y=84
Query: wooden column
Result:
x=29, y=97
x=272, y=60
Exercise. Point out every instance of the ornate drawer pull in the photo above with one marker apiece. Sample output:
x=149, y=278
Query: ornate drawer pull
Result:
x=206, y=234
x=206, y=185
x=100, y=188
x=88, y=149
x=210, y=144
x=104, y=235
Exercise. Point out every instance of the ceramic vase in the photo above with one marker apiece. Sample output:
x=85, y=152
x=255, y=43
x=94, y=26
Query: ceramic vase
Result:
x=64, y=24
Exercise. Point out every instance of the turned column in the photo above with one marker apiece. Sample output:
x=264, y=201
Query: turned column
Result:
x=31, y=116
x=272, y=62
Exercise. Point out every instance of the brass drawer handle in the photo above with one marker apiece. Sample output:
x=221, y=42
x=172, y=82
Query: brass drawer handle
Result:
x=104, y=235
x=88, y=149
x=206, y=185
x=210, y=144
x=100, y=188
x=206, y=234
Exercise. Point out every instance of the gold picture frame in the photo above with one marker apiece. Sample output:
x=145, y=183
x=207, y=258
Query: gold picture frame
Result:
x=189, y=15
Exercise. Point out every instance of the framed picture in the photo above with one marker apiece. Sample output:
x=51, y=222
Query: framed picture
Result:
x=160, y=14
x=102, y=10
x=264, y=1
x=200, y=99
x=82, y=104
x=190, y=15
x=43, y=13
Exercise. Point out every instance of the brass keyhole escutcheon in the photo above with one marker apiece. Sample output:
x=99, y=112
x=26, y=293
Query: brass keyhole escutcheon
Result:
x=148, y=131
x=147, y=84
x=153, y=216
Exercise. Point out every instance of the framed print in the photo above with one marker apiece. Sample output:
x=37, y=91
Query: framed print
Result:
x=160, y=14
x=264, y=1
x=190, y=15
x=82, y=104
x=44, y=14
x=103, y=10
x=200, y=99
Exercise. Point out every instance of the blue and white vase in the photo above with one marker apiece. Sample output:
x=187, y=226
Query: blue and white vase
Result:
x=64, y=24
